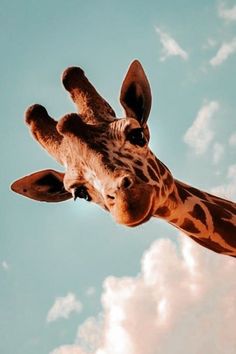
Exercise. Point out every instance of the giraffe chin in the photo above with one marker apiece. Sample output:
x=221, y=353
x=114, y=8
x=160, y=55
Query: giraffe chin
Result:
x=134, y=206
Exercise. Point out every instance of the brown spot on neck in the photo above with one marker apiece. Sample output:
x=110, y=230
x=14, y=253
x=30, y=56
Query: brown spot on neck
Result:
x=162, y=168
x=152, y=174
x=189, y=226
x=183, y=193
x=153, y=164
x=163, y=211
x=230, y=206
x=139, y=173
x=196, y=192
x=198, y=213
x=222, y=224
x=138, y=162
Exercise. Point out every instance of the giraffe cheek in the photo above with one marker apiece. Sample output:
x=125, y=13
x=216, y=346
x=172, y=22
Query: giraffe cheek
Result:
x=134, y=206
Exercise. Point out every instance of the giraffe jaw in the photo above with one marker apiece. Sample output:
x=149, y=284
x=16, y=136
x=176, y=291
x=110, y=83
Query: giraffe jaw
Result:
x=134, y=206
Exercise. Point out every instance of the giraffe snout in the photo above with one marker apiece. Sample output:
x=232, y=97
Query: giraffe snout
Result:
x=123, y=183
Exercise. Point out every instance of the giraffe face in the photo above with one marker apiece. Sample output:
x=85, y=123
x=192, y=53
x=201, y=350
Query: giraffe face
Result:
x=111, y=165
x=107, y=160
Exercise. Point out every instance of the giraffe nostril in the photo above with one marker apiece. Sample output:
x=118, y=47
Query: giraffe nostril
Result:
x=126, y=182
x=110, y=197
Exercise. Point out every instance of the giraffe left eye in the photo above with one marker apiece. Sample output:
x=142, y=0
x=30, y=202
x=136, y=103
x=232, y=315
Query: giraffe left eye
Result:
x=137, y=137
x=81, y=192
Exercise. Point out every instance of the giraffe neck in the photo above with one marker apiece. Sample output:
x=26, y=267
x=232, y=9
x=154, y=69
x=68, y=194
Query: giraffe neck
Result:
x=209, y=220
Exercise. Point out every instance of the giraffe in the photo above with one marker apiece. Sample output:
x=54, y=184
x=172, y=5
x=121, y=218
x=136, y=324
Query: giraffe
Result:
x=107, y=160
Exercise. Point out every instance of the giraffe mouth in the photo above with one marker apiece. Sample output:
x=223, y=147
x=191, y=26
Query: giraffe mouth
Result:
x=134, y=206
x=140, y=222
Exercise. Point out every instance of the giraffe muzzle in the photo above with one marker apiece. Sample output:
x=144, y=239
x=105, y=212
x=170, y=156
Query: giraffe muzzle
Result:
x=133, y=205
x=123, y=183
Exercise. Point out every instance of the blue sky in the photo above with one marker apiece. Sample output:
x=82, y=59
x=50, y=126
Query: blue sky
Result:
x=71, y=250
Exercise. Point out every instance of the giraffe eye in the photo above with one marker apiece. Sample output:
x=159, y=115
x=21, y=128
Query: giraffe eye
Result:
x=137, y=137
x=81, y=192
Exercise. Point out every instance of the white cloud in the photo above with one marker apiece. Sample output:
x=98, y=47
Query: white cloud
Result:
x=224, y=52
x=170, y=46
x=68, y=349
x=63, y=307
x=89, y=334
x=232, y=139
x=218, y=152
x=227, y=14
x=183, y=300
x=200, y=134
x=228, y=189
x=5, y=265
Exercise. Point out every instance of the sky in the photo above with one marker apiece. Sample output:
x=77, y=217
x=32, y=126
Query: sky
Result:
x=71, y=280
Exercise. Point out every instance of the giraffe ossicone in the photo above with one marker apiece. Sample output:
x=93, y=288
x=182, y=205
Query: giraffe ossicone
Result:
x=107, y=160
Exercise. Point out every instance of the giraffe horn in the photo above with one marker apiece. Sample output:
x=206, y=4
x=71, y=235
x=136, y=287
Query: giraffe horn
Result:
x=72, y=124
x=91, y=106
x=43, y=129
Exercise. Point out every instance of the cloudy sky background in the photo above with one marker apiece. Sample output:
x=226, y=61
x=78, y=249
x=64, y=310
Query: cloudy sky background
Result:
x=71, y=280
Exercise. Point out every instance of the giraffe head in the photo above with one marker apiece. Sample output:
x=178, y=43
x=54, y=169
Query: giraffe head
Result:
x=107, y=159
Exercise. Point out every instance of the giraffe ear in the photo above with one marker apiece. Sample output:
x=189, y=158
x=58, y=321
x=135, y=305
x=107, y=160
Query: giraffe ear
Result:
x=135, y=94
x=45, y=186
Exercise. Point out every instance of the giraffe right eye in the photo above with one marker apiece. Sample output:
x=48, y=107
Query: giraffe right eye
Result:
x=137, y=137
x=81, y=192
